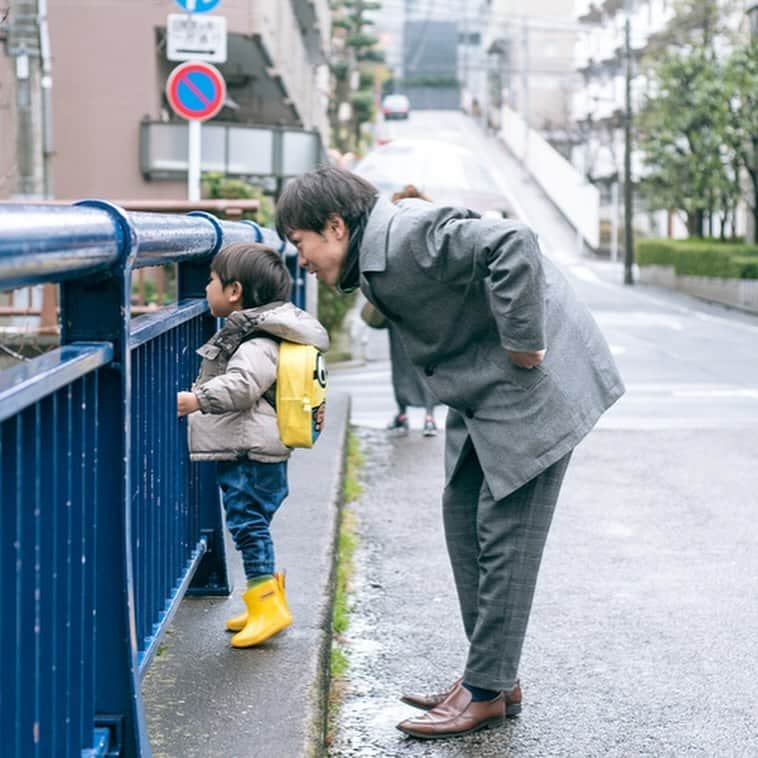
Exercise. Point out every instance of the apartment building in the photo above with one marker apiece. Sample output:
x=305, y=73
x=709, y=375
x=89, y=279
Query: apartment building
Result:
x=414, y=33
x=109, y=131
x=598, y=105
x=530, y=48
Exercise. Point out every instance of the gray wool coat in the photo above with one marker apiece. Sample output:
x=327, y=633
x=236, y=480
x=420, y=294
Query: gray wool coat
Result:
x=460, y=290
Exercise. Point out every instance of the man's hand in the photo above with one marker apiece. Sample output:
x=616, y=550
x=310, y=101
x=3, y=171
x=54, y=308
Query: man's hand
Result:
x=526, y=360
x=186, y=402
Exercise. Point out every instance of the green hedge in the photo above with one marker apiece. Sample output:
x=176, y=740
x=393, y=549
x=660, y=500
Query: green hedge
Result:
x=701, y=257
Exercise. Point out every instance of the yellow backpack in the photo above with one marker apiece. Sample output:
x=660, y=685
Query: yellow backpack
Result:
x=301, y=379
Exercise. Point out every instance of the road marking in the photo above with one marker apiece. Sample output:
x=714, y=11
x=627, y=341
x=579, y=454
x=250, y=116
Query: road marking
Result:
x=643, y=319
x=618, y=422
x=716, y=393
x=688, y=311
x=691, y=390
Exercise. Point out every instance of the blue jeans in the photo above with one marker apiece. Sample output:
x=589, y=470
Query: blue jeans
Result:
x=252, y=493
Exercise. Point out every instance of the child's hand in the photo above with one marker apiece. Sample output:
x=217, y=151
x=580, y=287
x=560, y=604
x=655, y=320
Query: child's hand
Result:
x=186, y=402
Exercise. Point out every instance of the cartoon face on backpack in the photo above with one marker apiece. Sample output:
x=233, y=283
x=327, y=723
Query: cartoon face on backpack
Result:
x=320, y=373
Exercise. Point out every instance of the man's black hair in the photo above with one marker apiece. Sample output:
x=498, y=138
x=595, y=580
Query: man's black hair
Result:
x=259, y=269
x=309, y=200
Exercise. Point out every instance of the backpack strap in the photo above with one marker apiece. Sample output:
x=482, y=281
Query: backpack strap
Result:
x=270, y=394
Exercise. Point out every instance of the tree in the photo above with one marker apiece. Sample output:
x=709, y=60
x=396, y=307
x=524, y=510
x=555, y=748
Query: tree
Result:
x=696, y=25
x=691, y=142
x=356, y=51
x=741, y=78
x=684, y=128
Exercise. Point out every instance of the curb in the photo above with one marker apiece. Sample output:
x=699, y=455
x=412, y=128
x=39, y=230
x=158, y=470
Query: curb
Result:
x=318, y=716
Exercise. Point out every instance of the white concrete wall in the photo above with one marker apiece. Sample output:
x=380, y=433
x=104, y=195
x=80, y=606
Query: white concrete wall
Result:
x=577, y=199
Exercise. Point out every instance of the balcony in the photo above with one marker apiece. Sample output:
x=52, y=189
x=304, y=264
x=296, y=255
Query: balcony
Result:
x=234, y=149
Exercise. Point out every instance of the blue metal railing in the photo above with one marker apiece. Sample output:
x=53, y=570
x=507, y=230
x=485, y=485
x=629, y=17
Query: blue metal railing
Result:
x=104, y=522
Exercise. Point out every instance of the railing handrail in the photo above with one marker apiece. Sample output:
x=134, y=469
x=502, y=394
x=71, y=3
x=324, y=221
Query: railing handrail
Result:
x=105, y=522
x=49, y=243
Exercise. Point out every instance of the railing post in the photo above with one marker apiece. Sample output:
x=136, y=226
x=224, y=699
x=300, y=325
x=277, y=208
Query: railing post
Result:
x=212, y=575
x=97, y=308
x=107, y=531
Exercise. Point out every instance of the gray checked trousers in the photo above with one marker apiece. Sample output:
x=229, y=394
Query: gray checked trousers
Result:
x=495, y=549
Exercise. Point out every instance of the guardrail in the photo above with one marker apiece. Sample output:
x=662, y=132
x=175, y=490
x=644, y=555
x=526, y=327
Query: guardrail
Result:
x=104, y=522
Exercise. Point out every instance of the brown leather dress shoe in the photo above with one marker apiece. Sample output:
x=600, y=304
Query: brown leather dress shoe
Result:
x=456, y=716
x=429, y=700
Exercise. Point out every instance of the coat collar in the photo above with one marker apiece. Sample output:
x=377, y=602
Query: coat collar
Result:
x=373, y=253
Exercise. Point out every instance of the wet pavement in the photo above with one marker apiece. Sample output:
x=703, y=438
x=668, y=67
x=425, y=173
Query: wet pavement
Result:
x=642, y=638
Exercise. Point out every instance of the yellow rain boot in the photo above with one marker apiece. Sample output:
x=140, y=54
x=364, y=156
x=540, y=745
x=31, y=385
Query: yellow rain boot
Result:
x=267, y=614
x=237, y=623
x=280, y=583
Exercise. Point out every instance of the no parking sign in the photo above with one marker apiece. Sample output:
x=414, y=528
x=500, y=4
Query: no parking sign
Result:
x=198, y=6
x=196, y=90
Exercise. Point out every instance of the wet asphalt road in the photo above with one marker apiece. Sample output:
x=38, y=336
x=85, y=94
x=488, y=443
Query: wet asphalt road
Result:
x=642, y=640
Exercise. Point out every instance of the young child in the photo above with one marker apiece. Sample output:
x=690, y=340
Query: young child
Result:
x=250, y=287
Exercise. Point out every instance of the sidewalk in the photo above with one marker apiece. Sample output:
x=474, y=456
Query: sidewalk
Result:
x=204, y=698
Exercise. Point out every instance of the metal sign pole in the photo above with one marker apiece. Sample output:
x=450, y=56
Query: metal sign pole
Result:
x=194, y=154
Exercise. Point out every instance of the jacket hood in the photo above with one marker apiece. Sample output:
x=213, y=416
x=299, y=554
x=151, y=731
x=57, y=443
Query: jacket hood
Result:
x=284, y=321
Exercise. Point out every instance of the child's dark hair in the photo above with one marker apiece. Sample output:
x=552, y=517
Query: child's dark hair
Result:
x=259, y=269
x=307, y=201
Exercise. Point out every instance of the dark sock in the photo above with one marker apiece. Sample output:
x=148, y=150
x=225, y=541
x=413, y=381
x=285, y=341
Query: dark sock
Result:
x=478, y=694
x=255, y=580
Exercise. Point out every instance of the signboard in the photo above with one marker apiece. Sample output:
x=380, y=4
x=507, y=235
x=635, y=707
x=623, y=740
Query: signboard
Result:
x=190, y=38
x=198, y=6
x=196, y=90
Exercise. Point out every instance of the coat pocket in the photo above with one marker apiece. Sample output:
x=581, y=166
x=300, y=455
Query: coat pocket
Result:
x=223, y=435
x=525, y=378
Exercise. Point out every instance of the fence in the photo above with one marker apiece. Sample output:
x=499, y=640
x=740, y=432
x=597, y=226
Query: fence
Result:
x=104, y=523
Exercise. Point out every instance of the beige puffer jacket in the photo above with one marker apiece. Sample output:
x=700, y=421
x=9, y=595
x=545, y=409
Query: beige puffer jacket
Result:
x=239, y=366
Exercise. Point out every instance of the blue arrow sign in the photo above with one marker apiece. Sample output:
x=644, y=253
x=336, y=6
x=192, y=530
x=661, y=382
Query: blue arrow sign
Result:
x=198, y=6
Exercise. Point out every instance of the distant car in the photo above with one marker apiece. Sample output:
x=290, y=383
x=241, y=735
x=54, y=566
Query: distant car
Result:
x=396, y=106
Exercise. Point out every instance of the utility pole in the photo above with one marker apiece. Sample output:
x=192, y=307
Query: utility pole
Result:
x=24, y=47
x=46, y=85
x=751, y=234
x=464, y=10
x=628, y=187
x=525, y=85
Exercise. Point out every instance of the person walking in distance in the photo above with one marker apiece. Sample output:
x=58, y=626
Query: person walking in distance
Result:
x=408, y=384
x=503, y=341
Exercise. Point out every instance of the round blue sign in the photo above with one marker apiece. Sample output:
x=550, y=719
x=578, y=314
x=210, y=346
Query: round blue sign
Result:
x=198, y=6
x=196, y=90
